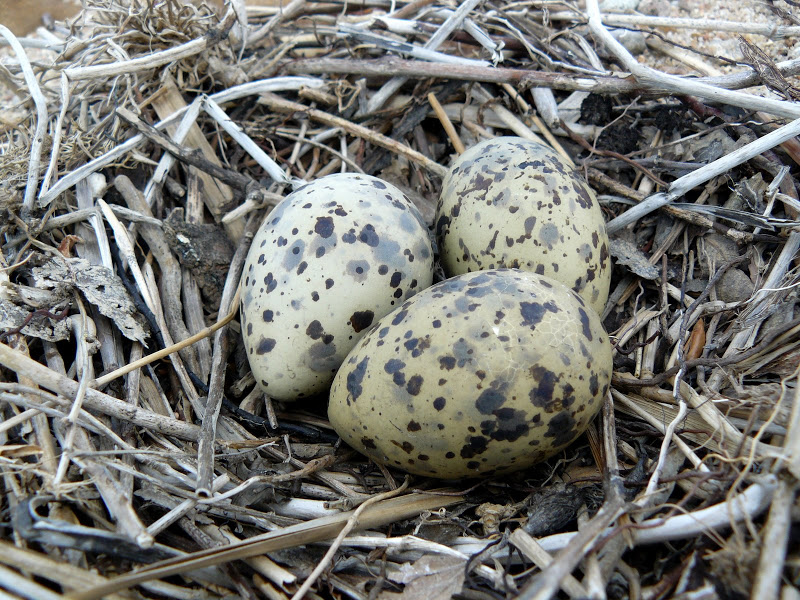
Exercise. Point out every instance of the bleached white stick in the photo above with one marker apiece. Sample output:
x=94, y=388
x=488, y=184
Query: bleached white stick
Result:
x=680, y=186
x=51, y=168
x=142, y=63
x=748, y=504
x=395, y=83
x=126, y=250
x=183, y=508
x=167, y=159
x=653, y=79
x=272, y=168
x=412, y=50
x=775, y=537
x=478, y=34
x=27, y=42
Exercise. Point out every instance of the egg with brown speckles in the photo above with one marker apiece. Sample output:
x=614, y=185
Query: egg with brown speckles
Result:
x=482, y=374
x=331, y=259
x=510, y=202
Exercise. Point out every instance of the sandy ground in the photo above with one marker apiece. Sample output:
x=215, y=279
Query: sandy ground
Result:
x=24, y=16
x=726, y=44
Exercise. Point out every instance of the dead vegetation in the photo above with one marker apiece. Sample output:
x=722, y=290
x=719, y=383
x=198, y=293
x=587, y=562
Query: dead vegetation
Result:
x=144, y=145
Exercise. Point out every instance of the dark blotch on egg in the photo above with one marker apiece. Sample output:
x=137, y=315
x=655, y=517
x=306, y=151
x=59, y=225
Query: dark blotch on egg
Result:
x=360, y=320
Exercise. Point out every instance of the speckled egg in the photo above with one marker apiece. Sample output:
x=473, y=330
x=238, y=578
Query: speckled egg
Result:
x=481, y=374
x=509, y=202
x=333, y=257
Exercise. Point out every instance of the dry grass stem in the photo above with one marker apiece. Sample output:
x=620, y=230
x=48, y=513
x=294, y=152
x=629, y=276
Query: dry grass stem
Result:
x=716, y=25
x=458, y=145
x=352, y=522
x=35, y=149
x=208, y=430
x=285, y=106
x=540, y=557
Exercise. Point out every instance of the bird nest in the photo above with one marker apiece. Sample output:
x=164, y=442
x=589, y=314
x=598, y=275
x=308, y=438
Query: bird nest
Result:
x=146, y=141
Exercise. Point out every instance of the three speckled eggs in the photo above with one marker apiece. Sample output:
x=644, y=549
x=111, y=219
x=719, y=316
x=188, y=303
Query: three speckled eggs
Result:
x=487, y=372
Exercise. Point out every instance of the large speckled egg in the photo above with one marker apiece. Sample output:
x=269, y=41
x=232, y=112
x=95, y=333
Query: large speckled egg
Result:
x=509, y=202
x=333, y=257
x=481, y=374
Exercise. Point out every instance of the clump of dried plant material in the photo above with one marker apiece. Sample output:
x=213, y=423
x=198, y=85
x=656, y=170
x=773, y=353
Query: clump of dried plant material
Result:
x=146, y=141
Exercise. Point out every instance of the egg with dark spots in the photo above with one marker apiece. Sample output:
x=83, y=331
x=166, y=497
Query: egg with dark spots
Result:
x=327, y=263
x=510, y=202
x=514, y=372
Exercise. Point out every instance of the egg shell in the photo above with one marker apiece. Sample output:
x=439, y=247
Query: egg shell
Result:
x=481, y=374
x=332, y=258
x=510, y=202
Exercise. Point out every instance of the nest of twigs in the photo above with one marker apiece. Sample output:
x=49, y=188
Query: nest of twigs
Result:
x=145, y=143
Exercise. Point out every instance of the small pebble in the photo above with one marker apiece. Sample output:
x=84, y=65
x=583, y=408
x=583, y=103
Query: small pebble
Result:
x=619, y=6
x=633, y=41
x=656, y=8
x=717, y=250
x=710, y=147
x=734, y=286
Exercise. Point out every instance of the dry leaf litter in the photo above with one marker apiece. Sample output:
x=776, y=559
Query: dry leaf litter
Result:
x=143, y=144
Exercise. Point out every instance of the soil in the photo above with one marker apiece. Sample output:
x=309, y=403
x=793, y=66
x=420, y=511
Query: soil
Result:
x=22, y=17
x=722, y=44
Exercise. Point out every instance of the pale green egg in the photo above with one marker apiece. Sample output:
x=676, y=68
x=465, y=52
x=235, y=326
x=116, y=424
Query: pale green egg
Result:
x=510, y=202
x=330, y=260
x=485, y=373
